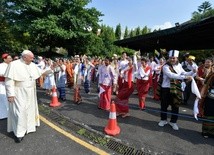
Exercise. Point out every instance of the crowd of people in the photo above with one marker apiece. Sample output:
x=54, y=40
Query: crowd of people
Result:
x=170, y=81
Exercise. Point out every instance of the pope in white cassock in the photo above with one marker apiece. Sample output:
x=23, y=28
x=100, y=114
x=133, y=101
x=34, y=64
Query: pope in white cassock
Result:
x=20, y=81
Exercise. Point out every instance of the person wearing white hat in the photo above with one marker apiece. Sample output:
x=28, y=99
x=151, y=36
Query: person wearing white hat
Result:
x=20, y=82
x=170, y=81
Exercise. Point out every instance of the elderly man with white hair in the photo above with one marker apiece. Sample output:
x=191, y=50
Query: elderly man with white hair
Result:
x=20, y=81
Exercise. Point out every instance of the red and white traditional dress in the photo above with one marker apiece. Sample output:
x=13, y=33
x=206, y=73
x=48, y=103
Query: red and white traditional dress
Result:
x=122, y=65
x=127, y=89
x=107, y=78
x=143, y=84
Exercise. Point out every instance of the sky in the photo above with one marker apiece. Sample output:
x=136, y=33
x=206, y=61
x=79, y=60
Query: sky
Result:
x=154, y=14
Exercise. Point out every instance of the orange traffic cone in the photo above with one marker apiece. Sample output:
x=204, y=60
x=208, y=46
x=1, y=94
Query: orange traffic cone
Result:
x=54, y=100
x=112, y=128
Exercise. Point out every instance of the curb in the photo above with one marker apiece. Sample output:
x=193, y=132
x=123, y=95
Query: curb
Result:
x=94, y=137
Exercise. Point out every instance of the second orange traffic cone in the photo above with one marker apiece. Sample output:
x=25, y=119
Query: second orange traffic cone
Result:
x=112, y=128
x=54, y=100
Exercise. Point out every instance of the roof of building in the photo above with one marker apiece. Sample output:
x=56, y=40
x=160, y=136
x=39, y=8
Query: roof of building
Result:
x=187, y=36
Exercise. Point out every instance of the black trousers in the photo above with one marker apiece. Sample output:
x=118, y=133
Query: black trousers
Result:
x=187, y=91
x=166, y=100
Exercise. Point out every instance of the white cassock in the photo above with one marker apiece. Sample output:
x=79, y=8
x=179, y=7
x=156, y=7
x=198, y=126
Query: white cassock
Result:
x=3, y=97
x=20, y=81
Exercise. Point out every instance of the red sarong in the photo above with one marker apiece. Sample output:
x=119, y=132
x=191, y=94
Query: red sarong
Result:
x=77, y=96
x=123, y=98
x=142, y=88
x=105, y=98
x=120, y=83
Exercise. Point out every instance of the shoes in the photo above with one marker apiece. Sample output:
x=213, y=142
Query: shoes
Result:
x=205, y=135
x=162, y=123
x=18, y=139
x=174, y=126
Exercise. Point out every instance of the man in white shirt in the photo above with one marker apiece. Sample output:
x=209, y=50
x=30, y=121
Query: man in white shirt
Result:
x=171, y=94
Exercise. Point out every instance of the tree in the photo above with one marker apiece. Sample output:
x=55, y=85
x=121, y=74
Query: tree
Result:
x=204, y=10
x=131, y=34
x=204, y=7
x=53, y=23
x=118, y=32
x=108, y=37
x=126, y=33
x=145, y=30
x=138, y=31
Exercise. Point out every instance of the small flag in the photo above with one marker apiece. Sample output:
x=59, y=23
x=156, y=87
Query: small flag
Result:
x=101, y=91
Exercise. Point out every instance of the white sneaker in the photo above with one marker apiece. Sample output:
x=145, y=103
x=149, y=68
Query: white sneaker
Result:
x=162, y=123
x=174, y=126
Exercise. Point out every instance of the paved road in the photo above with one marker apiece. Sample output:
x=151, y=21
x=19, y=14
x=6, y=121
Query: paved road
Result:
x=140, y=130
x=45, y=141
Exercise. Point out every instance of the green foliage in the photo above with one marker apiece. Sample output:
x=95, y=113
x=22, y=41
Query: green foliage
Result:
x=126, y=33
x=53, y=23
x=204, y=11
x=204, y=7
x=118, y=32
x=108, y=37
x=43, y=25
x=138, y=31
x=131, y=34
x=145, y=30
